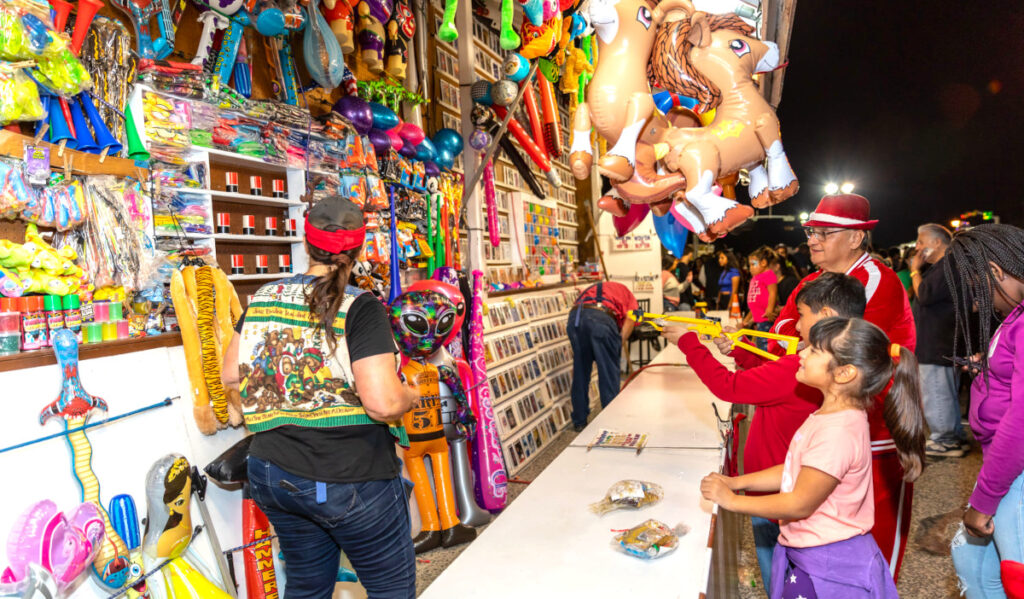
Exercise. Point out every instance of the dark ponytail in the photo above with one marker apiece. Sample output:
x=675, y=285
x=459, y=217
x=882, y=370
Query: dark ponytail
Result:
x=865, y=346
x=326, y=293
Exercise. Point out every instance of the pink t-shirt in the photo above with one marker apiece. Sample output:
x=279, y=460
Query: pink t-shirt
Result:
x=757, y=294
x=838, y=444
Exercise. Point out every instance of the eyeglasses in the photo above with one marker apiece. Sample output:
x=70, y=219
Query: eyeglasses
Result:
x=820, y=234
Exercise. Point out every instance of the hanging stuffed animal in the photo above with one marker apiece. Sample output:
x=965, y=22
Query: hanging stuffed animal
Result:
x=421, y=322
x=401, y=28
x=372, y=16
x=339, y=16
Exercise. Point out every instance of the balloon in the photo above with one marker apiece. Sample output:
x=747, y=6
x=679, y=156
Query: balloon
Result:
x=383, y=117
x=380, y=140
x=356, y=110
x=671, y=233
x=426, y=151
x=411, y=134
x=449, y=139
x=407, y=150
x=449, y=291
x=479, y=140
x=396, y=140
x=504, y=92
x=63, y=545
x=445, y=159
x=632, y=220
x=431, y=169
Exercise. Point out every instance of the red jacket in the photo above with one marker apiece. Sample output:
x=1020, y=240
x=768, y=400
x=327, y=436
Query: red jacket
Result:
x=781, y=403
x=887, y=307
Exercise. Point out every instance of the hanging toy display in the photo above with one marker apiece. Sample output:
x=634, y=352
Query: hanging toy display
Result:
x=421, y=322
x=207, y=308
x=370, y=32
x=111, y=568
x=141, y=15
x=324, y=59
x=488, y=463
x=339, y=17
x=400, y=30
x=449, y=356
x=446, y=31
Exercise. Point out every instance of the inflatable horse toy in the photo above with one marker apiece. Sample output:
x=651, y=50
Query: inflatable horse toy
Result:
x=745, y=130
x=625, y=37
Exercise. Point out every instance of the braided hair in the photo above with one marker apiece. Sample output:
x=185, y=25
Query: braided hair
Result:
x=972, y=284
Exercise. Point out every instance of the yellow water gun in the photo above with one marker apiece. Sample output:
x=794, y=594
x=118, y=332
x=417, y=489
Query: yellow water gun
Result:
x=713, y=328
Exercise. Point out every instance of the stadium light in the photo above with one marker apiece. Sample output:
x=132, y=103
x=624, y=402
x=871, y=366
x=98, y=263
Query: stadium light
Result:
x=831, y=188
x=847, y=187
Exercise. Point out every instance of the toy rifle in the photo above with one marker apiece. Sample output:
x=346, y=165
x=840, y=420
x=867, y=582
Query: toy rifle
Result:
x=713, y=328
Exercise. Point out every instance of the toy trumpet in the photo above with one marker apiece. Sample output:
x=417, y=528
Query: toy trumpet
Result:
x=713, y=328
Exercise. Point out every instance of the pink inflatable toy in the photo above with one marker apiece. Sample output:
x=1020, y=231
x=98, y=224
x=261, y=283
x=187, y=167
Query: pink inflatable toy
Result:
x=63, y=545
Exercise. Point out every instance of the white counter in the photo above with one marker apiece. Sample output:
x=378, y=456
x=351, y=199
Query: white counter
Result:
x=548, y=544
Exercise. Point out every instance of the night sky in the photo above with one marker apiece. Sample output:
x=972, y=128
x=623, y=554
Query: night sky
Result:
x=920, y=104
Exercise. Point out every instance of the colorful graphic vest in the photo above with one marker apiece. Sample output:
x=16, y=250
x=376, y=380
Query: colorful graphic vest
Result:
x=288, y=375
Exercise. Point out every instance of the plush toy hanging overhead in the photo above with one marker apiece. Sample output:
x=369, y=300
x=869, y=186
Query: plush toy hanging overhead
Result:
x=709, y=57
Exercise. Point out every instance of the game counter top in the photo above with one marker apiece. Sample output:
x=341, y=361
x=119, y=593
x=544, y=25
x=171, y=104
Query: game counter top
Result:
x=548, y=543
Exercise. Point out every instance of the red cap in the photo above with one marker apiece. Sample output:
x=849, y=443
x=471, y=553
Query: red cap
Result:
x=843, y=211
x=7, y=304
x=36, y=303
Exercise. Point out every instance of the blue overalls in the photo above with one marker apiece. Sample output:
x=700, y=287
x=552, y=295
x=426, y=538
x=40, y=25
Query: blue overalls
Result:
x=595, y=337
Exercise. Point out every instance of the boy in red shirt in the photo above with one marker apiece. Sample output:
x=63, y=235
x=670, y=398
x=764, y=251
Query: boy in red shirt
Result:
x=781, y=403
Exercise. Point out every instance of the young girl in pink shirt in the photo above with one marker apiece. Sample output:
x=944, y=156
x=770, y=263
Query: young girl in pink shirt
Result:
x=823, y=492
x=762, y=293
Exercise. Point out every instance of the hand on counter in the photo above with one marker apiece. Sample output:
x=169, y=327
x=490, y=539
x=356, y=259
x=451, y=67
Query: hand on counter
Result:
x=717, y=488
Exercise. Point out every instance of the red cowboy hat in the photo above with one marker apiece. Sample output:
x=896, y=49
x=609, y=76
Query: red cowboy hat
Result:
x=843, y=211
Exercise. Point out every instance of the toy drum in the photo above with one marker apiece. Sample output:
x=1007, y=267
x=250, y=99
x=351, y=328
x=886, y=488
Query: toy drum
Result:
x=290, y=228
x=278, y=189
x=237, y=264
x=261, y=264
x=284, y=263
x=248, y=224
x=270, y=226
x=223, y=222
x=231, y=182
x=256, y=185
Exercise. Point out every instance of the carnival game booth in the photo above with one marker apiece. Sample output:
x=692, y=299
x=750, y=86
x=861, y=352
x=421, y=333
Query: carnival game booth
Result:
x=158, y=160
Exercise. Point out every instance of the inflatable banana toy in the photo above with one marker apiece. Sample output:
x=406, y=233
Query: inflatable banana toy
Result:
x=207, y=308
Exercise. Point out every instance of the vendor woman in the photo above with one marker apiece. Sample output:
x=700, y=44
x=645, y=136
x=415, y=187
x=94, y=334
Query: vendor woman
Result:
x=314, y=360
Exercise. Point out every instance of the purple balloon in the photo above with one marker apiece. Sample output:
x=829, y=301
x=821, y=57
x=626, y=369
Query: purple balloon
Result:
x=380, y=140
x=431, y=169
x=356, y=110
x=408, y=151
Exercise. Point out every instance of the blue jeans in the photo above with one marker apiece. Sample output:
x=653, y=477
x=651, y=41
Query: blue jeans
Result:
x=940, y=400
x=977, y=559
x=766, y=536
x=315, y=522
x=595, y=337
x=764, y=327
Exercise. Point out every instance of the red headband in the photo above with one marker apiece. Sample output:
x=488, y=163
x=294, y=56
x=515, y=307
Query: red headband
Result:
x=334, y=242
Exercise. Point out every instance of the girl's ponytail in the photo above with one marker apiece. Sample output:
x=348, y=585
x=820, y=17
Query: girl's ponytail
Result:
x=903, y=413
x=864, y=345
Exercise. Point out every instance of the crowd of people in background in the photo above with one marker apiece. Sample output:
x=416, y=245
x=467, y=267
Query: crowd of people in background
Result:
x=887, y=340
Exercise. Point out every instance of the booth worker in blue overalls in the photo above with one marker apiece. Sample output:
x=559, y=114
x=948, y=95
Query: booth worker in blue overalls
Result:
x=599, y=326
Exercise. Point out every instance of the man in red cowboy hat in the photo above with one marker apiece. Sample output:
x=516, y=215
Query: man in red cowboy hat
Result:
x=838, y=239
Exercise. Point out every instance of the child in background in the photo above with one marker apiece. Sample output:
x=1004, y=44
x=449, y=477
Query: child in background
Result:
x=762, y=293
x=823, y=491
x=781, y=403
x=985, y=270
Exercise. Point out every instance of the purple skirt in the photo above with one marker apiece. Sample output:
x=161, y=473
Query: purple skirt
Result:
x=850, y=569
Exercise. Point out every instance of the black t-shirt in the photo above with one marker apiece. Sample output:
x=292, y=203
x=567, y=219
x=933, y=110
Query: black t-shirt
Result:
x=935, y=317
x=785, y=287
x=347, y=454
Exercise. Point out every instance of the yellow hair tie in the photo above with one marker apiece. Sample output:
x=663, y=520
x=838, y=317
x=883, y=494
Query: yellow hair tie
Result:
x=894, y=351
